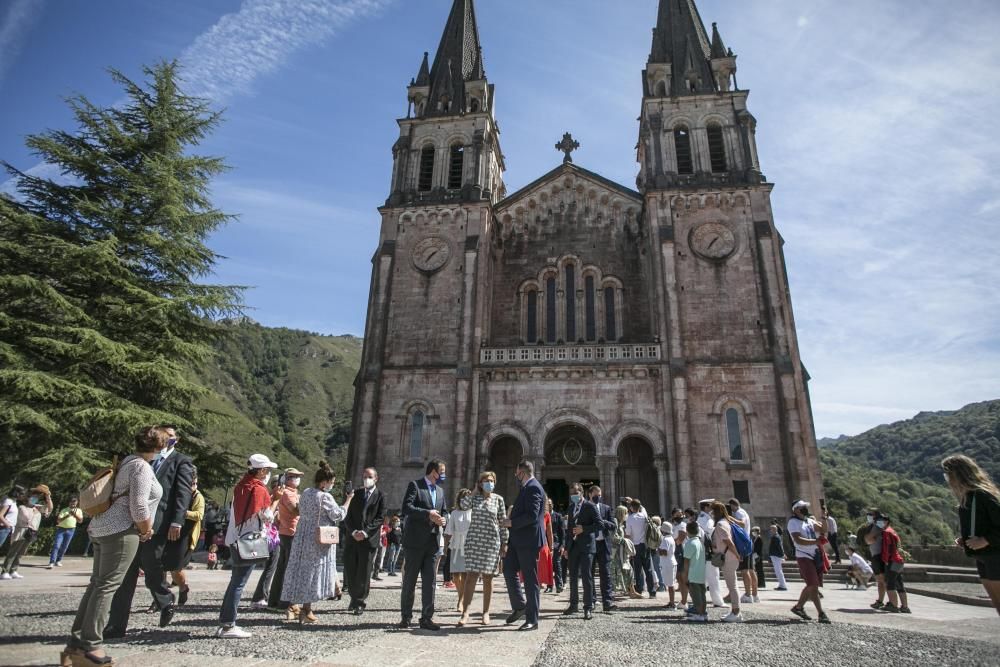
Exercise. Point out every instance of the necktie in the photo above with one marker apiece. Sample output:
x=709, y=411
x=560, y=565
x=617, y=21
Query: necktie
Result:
x=156, y=465
x=433, y=490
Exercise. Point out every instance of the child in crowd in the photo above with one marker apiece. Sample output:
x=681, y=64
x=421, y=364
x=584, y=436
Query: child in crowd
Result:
x=694, y=573
x=859, y=571
x=668, y=563
x=213, y=557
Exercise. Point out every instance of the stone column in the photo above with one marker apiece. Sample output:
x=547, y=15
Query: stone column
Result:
x=662, y=466
x=607, y=467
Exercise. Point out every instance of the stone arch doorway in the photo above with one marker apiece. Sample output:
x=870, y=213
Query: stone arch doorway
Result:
x=636, y=474
x=505, y=454
x=570, y=456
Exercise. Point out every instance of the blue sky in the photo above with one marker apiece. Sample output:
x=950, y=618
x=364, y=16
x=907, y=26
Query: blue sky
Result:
x=876, y=122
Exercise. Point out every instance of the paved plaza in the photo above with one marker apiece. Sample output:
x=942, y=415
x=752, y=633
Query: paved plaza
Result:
x=37, y=612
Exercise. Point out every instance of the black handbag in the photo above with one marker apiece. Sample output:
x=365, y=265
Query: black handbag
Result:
x=251, y=547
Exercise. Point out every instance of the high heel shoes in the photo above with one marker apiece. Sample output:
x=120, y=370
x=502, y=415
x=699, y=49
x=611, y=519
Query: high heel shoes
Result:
x=82, y=659
x=292, y=613
x=66, y=656
x=307, y=618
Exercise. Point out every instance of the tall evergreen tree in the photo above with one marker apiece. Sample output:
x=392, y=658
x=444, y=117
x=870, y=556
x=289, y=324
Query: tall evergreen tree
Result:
x=101, y=306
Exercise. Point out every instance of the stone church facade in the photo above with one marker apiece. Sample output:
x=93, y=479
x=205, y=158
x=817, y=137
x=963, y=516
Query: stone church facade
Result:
x=639, y=338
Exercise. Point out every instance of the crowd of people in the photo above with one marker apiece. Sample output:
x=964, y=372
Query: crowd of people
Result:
x=156, y=519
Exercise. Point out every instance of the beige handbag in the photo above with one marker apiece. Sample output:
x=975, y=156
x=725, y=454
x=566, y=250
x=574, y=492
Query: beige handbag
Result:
x=325, y=535
x=97, y=495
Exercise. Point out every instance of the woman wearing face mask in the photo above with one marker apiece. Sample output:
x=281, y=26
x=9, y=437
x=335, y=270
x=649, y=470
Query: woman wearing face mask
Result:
x=115, y=534
x=287, y=519
x=312, y=567
x=892, y=559
x=193, y=518
x=485, y=543
x=36, y=505
x=68, y=519
x=722, y=543
x=978, y=518
x=250, y=512
x=621, y=557
x=455, y=535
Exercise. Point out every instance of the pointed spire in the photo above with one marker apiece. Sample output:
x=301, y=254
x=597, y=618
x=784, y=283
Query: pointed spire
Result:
x=718, y=48
x=680, y=40
x=424, y=75
x=458, y=59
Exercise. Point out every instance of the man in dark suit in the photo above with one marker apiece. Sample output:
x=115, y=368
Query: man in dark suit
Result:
x=423, y=521
x=527, y=535
x=607, y=525
x=363, y=526
x=581, y=532
x=558, y=542
x=165, y=551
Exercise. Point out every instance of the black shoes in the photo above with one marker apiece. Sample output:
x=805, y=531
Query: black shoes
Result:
x=823, y=618
x=529, y=626
x=801, y=613
x=428, y=624
x=113, y=633
x=358, y=611
x=182, y=597
x=515, y=616
x=166, y=615
x=375, y=577
x=587, y=614
x=404, y=624
x=559, y=590
x=571, y=610
x=608, y=608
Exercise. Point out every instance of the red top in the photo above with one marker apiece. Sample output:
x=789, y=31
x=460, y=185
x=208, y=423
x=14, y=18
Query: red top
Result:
x=249, y=497
x=890, y=546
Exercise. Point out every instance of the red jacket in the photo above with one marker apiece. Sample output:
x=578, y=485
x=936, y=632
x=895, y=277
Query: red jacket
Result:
x=249, y=497
x=890, y=546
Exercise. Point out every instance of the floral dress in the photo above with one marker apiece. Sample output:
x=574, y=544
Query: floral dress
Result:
x=311, y=574
x=485, y=534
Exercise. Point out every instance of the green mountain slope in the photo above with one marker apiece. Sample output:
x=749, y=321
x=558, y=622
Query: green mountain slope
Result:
x=915, y=447
x=281, y=392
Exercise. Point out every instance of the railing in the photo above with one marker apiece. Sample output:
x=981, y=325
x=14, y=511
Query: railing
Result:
x=570, y=354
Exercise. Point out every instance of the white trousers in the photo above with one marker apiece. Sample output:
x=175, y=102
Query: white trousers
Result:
x=779, y=574
x=712, y=584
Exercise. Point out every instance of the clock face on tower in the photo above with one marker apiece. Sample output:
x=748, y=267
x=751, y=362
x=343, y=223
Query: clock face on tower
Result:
x=431, y=254
x=713, y=240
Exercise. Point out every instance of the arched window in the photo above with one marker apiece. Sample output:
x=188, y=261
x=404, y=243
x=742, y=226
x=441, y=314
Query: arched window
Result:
x=716, y=148
x=610, y=323
x=455, y=165
x=682, y=146
x=734, y=434
x=550, y=309
x=570, y=303
x=416, y=450
x=532, y=316
x=474, y=105
x=426, y=178
x=661, y=89
x=590, y=308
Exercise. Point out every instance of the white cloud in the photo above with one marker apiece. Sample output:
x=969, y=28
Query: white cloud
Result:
x=15, y=24
x=258, y=39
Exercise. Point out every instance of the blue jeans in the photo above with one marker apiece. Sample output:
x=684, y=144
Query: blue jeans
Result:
x=4, y=533
x=63, y=537
x=656, y=566
x=239, y=576
x=391, y=558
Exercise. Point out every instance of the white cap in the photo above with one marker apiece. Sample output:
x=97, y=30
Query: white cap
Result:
x=799, y=504
x=260, y=461
x=666, y=527
x=706, y=501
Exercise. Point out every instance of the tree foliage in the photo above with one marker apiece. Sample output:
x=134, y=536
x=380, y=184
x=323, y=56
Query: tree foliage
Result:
x=102, y=311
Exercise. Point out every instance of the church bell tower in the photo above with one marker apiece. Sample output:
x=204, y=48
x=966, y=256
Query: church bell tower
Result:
x=413, y=392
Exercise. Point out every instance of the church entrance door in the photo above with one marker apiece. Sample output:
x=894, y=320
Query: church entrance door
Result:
x=505, y=454
x=570, y=456
x=636, y=476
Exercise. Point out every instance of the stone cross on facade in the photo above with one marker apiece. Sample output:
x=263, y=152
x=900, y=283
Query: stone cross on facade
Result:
x=567, y=146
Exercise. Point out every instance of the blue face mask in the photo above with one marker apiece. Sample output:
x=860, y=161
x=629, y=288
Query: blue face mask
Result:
x=488, y=487
x=880, y=524
x=574, y=498
x=442, y=478
x=33, y=500
x=171, y=442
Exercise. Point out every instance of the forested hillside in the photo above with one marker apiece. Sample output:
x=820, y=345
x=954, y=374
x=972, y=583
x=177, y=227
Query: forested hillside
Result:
x=282, y=392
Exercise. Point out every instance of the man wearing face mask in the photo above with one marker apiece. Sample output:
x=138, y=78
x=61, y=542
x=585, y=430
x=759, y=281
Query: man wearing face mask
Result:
x=287, y=518
x=363, y=526
x=165, y=551
x=870, y=535
x=423, y=521
x=582, y=527
x=805, y=534
x=526, y=538
x=607, y=526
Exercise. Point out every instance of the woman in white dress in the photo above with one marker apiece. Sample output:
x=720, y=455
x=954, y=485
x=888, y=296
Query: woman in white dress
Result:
x=311, y=574
x=454, y=535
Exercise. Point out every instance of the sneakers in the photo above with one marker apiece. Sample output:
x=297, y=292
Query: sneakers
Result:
x=233, y=633
x=781, y=588
x=891, y=608
x=823, y=618
x=801, y=613
x=50, y=566
x=746, y=599
x=16, y=575
x=732, y=618
x=876, y=605
x=756, y=599
x=59, y=564
x=671, y=607
x=259, y=605
x=5, y=576
x=905, y=610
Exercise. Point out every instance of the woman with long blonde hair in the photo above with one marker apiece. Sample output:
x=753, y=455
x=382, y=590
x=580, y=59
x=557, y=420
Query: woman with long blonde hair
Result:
x=978, y=518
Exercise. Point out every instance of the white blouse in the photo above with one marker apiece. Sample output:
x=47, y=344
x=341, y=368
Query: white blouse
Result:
x=138, y=493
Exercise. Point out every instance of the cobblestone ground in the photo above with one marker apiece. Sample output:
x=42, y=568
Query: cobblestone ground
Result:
x=36, y=614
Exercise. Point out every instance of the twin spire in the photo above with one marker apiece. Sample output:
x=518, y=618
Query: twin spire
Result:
x=459, y=59
x=680, y=41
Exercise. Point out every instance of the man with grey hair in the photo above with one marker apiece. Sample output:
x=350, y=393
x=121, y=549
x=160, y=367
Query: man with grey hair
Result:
x=363, y=527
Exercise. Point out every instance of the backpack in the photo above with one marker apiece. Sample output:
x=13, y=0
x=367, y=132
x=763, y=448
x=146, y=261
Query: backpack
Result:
x=652, y=538
x=744, y=545
x=96, y=495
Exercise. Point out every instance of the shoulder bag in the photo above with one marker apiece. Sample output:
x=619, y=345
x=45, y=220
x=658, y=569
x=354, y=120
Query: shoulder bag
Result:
x=325, y=535
x=251, y=547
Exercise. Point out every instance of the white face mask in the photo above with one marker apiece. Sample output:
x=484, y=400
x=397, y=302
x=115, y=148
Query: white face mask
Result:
x=880, y=524
x=267, y=478
x=293, y=482
x=368, y=482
